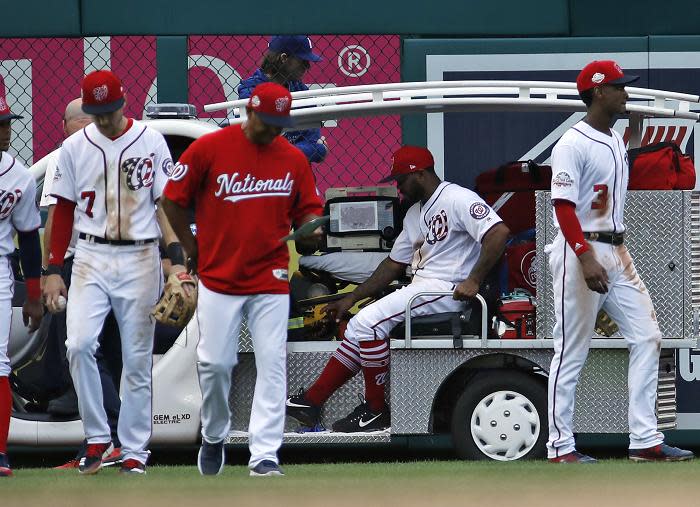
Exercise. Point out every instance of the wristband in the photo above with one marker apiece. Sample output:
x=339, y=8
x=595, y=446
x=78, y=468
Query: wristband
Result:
x=54, y=269
x=174, y=253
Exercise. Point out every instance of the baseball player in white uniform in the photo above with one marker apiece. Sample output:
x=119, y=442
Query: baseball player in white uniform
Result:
x=592, y=269
x=451, y=239
x=18, y=212
x=110, y=174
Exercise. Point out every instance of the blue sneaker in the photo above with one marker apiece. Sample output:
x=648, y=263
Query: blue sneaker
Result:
x=661, y=452
x=211, y=457
x=5, y=470
x=266, y=468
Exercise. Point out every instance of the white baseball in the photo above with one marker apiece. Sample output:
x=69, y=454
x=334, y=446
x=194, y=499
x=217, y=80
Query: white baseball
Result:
x=60, y=304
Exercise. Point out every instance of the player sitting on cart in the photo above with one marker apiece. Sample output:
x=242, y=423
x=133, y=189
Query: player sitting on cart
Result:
x=451, y=239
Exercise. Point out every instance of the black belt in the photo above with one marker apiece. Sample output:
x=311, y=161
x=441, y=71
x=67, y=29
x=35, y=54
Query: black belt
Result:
x=117, y=242
x=613, y=238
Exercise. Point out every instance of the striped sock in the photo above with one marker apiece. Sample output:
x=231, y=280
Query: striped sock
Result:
x=341, y=367
x=375, y=368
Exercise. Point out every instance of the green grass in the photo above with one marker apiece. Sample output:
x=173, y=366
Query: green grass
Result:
x=430, y=483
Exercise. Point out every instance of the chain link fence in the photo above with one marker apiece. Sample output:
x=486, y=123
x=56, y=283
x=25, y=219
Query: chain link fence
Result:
x=41, y=75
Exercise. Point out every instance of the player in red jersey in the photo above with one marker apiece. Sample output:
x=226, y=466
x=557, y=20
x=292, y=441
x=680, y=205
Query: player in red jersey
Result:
x=248, y=186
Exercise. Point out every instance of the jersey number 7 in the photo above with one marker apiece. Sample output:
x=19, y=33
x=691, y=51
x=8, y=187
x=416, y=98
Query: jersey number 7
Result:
x=90, y=196
x=601, y=197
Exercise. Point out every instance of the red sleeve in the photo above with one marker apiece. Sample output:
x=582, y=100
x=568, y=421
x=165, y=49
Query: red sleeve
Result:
x=187, y=174
x=570, y=226
x=61, y=231
x=306, y=199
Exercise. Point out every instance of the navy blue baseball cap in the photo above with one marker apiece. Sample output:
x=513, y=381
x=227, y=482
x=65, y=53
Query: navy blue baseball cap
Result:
x=295, y=45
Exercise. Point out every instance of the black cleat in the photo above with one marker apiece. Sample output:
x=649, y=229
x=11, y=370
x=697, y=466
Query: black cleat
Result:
x=362, y=419
x=303, y=411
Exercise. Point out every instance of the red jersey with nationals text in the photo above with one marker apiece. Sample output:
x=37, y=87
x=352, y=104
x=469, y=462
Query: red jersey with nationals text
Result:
x=246, y=197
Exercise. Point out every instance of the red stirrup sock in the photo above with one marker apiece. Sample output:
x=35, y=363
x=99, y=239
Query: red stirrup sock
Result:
x=341, y=367
x=5, y=412
x=375, y=368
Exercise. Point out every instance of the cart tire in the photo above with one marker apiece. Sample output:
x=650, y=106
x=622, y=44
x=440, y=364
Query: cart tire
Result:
x=501, y=415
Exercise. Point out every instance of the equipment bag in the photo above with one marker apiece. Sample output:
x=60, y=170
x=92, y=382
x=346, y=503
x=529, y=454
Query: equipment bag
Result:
x=661, y=166
x=510, y=191
x=518, y=269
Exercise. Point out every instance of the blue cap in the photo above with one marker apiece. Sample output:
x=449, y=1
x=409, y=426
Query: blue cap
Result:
x=295, y=45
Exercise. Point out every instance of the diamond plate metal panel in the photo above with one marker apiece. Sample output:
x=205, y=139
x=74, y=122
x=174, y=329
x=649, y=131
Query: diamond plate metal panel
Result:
x=601, y=397
x=601, y=394
x=245, y=342
x=417, y=376
x=379, y=437
x=545, y=235
x=658, y=247
x=692, y=252
x=302, y=369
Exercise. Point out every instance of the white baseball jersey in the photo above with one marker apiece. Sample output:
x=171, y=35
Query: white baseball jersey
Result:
x=89, y=166
x=49, y=200
x=441, y=239
x=591, y=170
x=18, y=209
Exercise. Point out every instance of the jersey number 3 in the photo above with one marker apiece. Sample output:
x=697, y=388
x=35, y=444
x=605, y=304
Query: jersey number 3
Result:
x=601, y=196
x=90, y=196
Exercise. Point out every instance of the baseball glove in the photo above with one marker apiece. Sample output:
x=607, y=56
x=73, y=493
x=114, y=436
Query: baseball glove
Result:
x=177, y=305
x=604, y=325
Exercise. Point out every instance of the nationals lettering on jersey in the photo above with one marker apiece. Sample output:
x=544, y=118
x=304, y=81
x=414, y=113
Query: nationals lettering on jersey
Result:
x=114, y=183
x=236, y=188
x=451, y=212
x=591, y=170
x=18, y=209
x=246, y=198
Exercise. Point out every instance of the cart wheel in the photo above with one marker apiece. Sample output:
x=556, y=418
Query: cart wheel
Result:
x=501, y=415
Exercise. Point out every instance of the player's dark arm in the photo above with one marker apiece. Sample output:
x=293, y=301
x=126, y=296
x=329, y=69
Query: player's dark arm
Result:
x=169, y=241
x=179, y=219
x=388, y=271
x=30, y=259
x=492, y=246
x=47, y=236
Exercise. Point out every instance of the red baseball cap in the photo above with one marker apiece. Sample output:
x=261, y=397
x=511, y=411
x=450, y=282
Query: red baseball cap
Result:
x=409, y=159
x=5, y=113
x=601, y=72
x=102, y=92
x=272, y=103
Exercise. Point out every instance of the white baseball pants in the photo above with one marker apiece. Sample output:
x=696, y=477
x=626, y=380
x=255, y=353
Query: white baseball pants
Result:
x=7, y=287
x=576, y=306
x=219, y=317
x=375, y=321
x=128, y=279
